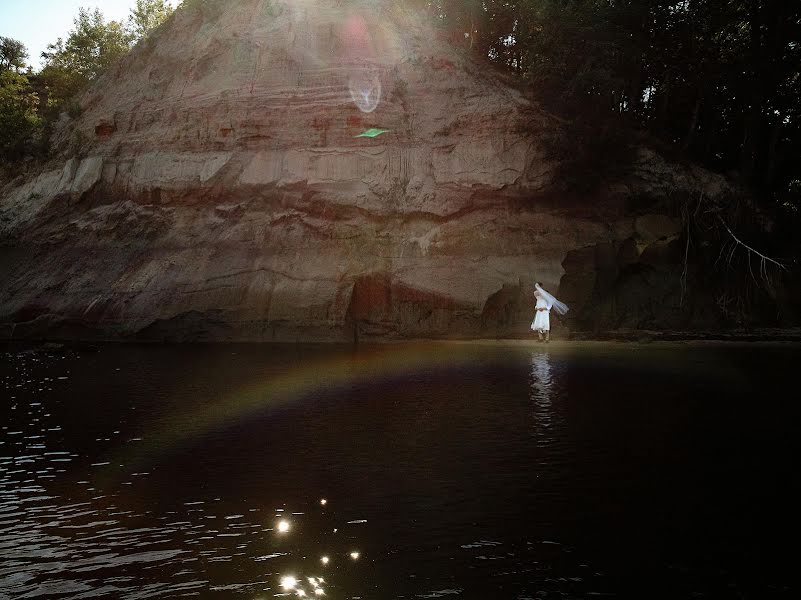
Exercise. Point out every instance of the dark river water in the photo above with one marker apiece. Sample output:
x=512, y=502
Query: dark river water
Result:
x=418, y=471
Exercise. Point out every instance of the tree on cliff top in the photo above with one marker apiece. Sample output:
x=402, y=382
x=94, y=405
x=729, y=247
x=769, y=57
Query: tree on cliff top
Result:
x=146, y=16
x=13, y=55
x=70, y=66
x=90, y=47
x=715, y=81
x=30, y=104
x=20, y=124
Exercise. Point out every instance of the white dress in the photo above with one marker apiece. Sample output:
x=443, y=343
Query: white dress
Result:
x=542, y=320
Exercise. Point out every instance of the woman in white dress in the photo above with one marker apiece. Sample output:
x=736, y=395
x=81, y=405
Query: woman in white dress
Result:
x=542, y=320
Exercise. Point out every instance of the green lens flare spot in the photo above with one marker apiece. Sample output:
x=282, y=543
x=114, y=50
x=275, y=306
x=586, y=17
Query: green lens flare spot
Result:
x=372, y=132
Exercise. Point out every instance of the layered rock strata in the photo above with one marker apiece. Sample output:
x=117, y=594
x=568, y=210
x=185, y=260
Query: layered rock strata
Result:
x=215, y=187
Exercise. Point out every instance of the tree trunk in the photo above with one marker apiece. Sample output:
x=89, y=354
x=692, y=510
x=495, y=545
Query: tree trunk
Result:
x=635, y=95
x=663, y=104
x=775, y=135
x=693, y=121
x=750, y=136
x=754, y=108
x=708, y=132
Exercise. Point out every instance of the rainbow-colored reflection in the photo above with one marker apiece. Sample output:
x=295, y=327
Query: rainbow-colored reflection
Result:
x=382, y=362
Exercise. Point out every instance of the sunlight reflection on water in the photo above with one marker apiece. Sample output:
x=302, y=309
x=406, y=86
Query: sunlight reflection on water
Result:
x=541, y=392
x=62, y=535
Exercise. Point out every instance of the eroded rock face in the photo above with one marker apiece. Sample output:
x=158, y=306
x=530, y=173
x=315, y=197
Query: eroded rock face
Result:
x=221, y=191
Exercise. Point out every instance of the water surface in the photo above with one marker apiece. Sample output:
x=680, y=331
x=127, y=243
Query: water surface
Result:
x=453, y=470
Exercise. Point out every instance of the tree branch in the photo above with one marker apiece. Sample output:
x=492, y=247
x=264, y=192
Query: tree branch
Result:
x=763, y=260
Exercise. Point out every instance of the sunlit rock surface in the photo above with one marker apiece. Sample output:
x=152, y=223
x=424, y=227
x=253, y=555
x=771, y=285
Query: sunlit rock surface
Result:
x=214, y=188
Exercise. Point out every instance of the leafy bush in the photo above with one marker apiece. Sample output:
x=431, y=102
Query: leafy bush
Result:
x=20, y=124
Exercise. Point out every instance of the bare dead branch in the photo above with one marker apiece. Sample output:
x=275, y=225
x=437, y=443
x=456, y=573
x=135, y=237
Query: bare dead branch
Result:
x=684, y=272
x=722, y=251
x=700, y=201
x=731, y=254
x=751, y=269
x=762, y=257
x=686, y=216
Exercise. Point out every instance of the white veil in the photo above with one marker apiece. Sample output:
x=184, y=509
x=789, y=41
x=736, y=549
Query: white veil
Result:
x=560, y=307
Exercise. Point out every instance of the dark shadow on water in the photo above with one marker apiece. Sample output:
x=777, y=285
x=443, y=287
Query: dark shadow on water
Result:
x=454, y=470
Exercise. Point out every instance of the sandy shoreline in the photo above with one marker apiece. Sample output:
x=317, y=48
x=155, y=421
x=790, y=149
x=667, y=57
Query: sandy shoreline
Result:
x=558, y=344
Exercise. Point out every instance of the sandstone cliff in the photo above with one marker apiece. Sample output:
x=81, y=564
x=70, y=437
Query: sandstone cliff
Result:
x=214, y=187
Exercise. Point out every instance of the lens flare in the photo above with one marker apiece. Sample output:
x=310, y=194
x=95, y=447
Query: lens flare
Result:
x=325, y=560
x=283, y=526
x=372, y=132
x=363, y=80
x=365, y=90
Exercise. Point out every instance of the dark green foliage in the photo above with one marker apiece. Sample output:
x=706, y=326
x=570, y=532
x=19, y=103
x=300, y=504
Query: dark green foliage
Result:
x=30, y=103
x=716, y=82
x=20, y=124
x=589, y=152
x=70, y=66
x=719, y=81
